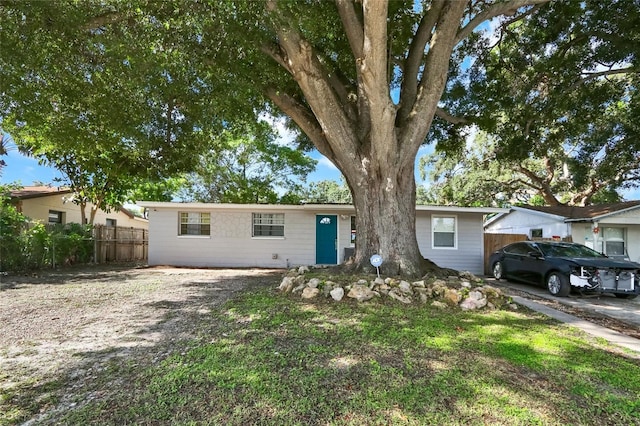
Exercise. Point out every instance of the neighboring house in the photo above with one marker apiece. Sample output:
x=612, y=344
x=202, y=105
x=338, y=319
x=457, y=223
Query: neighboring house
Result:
x=612, y=229
x=280, y=236
x=49, y=204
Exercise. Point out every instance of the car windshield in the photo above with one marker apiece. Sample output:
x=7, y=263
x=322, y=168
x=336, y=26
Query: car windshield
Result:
x=568, y=250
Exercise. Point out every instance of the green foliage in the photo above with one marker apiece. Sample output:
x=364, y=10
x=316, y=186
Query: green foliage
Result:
x=327, y=192
x=164, y=190
x=27, y=246
x=556, y=97
x=271, y=358
x=247, y=165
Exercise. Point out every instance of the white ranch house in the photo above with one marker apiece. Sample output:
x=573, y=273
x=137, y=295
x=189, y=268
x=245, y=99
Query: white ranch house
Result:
x=282, y=236
x=612, y=229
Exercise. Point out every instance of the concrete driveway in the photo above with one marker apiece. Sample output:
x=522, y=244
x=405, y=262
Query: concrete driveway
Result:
x=605, y=304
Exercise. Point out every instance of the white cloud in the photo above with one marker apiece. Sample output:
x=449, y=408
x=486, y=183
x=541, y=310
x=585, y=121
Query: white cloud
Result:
x=324, y=161
x=278, y=124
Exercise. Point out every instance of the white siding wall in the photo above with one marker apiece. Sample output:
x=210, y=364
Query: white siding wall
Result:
x=344, y=235
x=469, y=252
x=230, y=243
x=626, y=218
x=629, y=220
x=38, y=209
x=633, y=243
x=518, y=222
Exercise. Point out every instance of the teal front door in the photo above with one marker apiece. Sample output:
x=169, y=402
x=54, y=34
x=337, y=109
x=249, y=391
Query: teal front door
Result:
x=326, y=239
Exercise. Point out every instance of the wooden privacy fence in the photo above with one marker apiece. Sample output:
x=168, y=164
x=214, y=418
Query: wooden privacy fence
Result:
x=120, y=244
x=493, y=242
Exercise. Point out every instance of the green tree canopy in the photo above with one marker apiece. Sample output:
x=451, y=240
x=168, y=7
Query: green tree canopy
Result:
x=557, y=97
x=162, y=77
x=244, y=167
x=327, y=191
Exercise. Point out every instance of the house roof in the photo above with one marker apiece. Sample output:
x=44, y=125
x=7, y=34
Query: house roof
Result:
x=586, y=213
x=314, y=207
x=46, y=190
x=38, y=191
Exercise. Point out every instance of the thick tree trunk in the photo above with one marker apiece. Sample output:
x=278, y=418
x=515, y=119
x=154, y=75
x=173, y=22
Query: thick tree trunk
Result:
x=385, y=224
x=384, y=199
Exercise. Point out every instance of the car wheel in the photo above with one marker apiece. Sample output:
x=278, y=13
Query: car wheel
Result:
x=558, y=285
x=498, y=271
x=625, y=296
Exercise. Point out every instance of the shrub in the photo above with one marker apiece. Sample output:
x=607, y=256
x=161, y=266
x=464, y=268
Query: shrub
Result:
x=27, y=246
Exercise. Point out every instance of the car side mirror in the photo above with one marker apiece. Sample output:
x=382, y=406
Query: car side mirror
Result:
x=535, y=254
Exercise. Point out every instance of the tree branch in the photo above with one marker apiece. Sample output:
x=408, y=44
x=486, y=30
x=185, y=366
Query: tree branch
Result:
x=432, y=84
x=441, y=113
x=543, y=188
x=506, y=8
x=303, y=118
x=374, y=83
x=316, y=85
x=352, y=26
x=275, y=53
x=414, y=59
x=102, y=20
x=593, y=75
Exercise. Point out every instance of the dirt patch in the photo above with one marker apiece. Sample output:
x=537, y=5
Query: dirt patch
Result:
x=59, y=330
x=69, y=323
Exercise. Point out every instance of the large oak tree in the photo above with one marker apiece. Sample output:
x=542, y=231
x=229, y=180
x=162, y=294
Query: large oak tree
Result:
x=557, y=98
x=362, y=80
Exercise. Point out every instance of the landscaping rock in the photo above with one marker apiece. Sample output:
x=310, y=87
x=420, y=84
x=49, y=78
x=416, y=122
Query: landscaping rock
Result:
x=452, y=296
x=310, y=292
x=303, y=269
x=361, y=293
x=396, y=293
x=463, y=291
x=337, y=293
x=475, y=300
x=286, y=285
x=327, y=288
x=405, y=288
x=314, y=282
x=418, y=284
x=439, y=305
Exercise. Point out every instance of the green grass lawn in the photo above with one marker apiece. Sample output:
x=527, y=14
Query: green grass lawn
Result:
x=268, y=358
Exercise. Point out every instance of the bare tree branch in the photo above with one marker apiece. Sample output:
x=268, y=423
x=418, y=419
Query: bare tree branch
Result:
x=505, y=8
x=352, y=26
x=372, y=70
x=593, y=75
x=274, y=52
x=432, y=84
x=415, y=57
x=303, y=118
x=441, y=113
x=316, y=85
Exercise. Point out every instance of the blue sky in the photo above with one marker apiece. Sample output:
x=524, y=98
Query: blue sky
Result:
x=26, y=170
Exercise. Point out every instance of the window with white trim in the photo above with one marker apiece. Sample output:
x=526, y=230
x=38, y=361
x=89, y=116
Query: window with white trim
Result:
x=195, y=223
x=614, y=242
x=268, y=225
x=444, y=232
